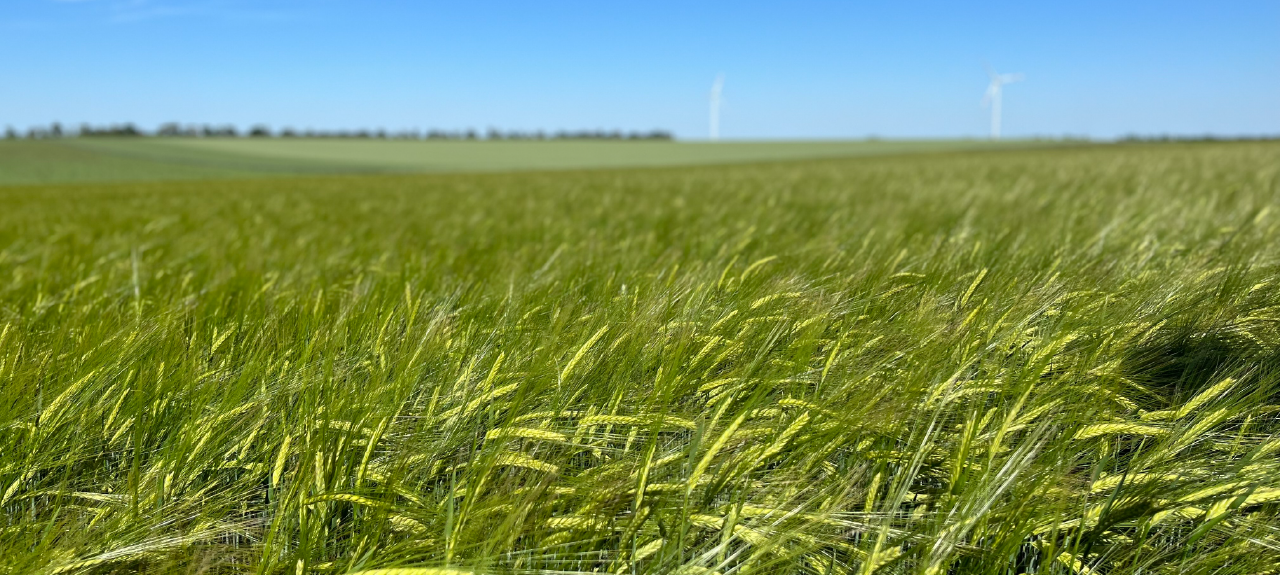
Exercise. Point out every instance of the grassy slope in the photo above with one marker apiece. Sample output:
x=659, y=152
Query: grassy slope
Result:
x=1018, y=362
x=134, y=159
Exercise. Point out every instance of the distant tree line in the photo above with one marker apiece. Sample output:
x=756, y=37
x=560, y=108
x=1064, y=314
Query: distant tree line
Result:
x=173, y=130
x=1197, y=138
x=88, y=131
x=176, y=130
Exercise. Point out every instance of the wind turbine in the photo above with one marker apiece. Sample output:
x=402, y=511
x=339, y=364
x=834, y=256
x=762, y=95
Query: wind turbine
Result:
x=715, y=107
x=994, y=90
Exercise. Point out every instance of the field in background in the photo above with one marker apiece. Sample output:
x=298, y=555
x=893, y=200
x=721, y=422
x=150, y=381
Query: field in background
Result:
x=1036, y=361
x=134, y=159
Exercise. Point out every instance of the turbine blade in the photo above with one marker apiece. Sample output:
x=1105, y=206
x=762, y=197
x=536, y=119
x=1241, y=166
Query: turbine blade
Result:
x=991, y=72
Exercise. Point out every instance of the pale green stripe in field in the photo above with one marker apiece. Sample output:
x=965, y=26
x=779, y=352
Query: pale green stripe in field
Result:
x=525, y=155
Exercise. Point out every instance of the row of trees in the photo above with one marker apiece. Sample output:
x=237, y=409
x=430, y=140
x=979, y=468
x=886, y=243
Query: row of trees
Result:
x=176, y=130
x=1199, y=138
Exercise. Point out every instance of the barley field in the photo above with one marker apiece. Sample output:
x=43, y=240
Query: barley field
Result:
x=1058, y=361
x=131, y=159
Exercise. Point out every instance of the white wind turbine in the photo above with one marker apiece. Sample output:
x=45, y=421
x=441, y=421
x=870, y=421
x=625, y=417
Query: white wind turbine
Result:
x=994, y=90
x=715, y=107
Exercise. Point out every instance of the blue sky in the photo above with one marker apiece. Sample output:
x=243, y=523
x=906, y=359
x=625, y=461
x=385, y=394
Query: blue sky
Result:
x=792, y=70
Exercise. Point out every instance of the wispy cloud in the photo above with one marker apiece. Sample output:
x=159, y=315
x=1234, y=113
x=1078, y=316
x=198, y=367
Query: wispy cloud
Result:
x=139, y=10
x=130, y=11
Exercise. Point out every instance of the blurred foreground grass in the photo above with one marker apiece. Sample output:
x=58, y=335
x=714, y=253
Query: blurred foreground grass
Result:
x=1024, y=362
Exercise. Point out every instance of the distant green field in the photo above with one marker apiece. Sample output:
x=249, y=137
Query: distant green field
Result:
x=1057, y=362
x=125, y=159
x=524, y=155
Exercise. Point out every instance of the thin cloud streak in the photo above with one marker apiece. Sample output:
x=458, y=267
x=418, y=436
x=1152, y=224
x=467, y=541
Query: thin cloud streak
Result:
x=134, y=11
x=143, y=10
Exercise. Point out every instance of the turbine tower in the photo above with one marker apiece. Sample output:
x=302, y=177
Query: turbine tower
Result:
x=994, y=90
x=714, y=133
